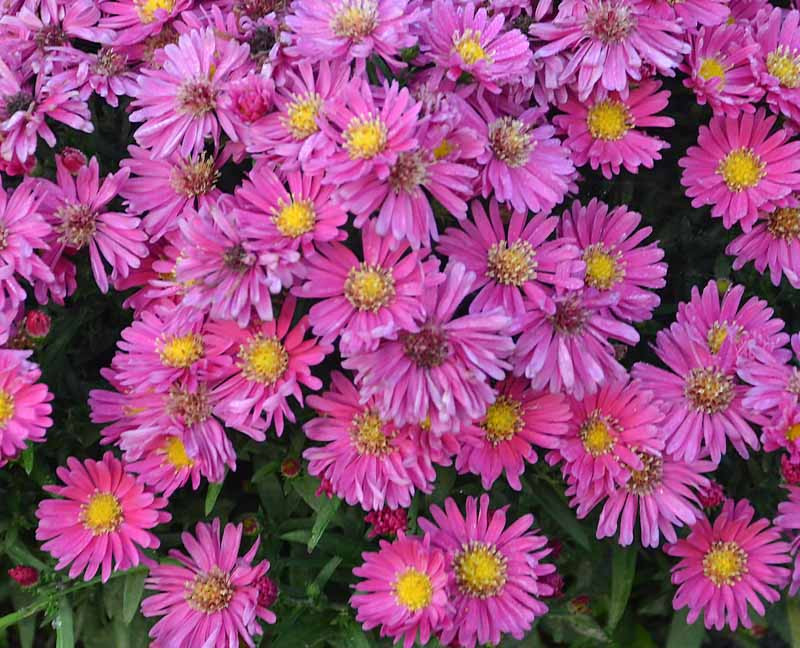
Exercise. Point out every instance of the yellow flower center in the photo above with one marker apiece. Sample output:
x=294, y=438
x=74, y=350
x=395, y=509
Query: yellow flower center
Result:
x=480, y=570
x=711, y=68
x=355, y=19
x=793, y=432
x=510, y=141
x=717, y=334
x=603, y=268
x=596, y=435
x=468, y=47
x=182, y=351
x=175, y=454
x=296, y=218
x=511, y=266
x=365, y=138
x=301, y=119
x=210, y=592
x=784, y=65
x=444, y=149
x=609, y=120
x=741, y=169
x=725, y=563
x=6, y=407
x=784, y=223
x=147, y=9
x=643, y=482
x=102, y=514
x=503, y=420
x=263, y=359
x=413, y=590
x=369, y=287
x=709, y=390
x=368, y=435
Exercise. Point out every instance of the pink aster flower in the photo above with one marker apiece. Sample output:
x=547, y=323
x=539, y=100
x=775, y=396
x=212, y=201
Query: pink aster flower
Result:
x=368, y=461
x=617, y=263
x=24, y=404
x=441, y=370
x=664, y=494
x=606, y=131
x=775, y=384
x=724, y=567
x=495, y=573
x=364, y=301
x=783, y=432
x=609, y=41
x=77, y=208
x=777, y=62
x=211, y=598
x=134, y=21
x=296, y=218
x=570, y=349
x=701, y=396
x=738, y=168
x=228, y=273
x=101, y=519
x=609, y=433
x=463, y=39
x=179, y=103
x=272, y=361
x=710, y=321
x=23, y=234
x=774, y=243
x=404, y=590
x=719, y=69
x=689, y=13
x=348, y=30
x=788, y=520
x=161, y=189
x=166, y=466
x=503, y=440
x=513, y=261
x=105, y=73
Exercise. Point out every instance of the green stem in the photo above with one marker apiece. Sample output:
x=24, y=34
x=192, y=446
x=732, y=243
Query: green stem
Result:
x=46, y=597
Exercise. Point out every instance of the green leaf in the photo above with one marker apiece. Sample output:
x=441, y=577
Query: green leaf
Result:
x=322, y=520
x=301, y=535
x=27, y=460
x=214, y=489
x=683, y=635
x=793, y=616
x=65, y=631
x=132, y=594
x=20, y=554
x=550, y=504
x=27, y=632
x=326, y=572
x=623, y=569
x=306, y=488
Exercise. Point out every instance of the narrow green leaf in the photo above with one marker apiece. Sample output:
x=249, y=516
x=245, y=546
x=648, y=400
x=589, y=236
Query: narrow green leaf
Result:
x=27, y=460
x=27, y=632
x=306, y=488
x=132, y=594
x=301, y=535
x=551, y=505
x=322, y=520
x=22, y=556
x=683, y=635
x=623, y=569
x=326, y=572
x=65, y=630
x=214, y=489
x=793, y=615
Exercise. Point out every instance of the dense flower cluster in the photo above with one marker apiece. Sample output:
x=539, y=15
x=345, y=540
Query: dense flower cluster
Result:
x=402, y=272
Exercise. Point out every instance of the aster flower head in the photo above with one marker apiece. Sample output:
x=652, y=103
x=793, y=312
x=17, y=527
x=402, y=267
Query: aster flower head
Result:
x=295, y=217
x=134, y=21
x=570, y=350
x=179, y=103
x=503, y=441
x=773, y=243
x=461, y=38
x=513, y=260
x=774, y=382
x=777, y=62
x=788, y=519
x=212, y=597
x=369, y=461
x=77, y=208
x=386, y=522
x=495, y=572
x=165, y=465
x=24, y=404
x=739, y=168
x=727, y=565
x=272, y=360
x=403, y=590
x=609, y=41
x=440, y=370
x=701, y=396
x=101, y=519
x=607, y=131
x=689, y=13
x=618, y=264
x=366, y=300
x=719, y=69
x=348, y=30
